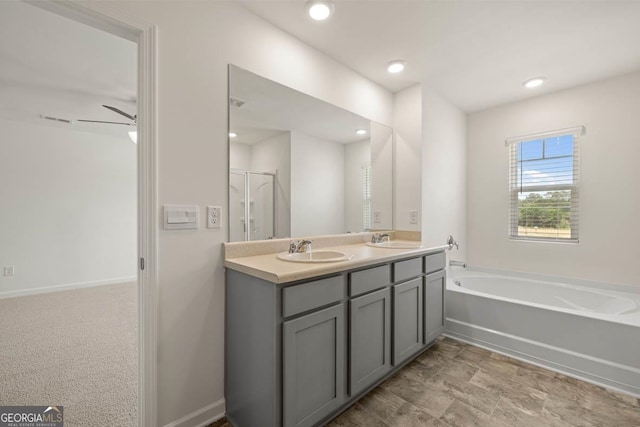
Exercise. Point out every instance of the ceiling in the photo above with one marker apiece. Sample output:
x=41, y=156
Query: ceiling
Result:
x=476, y=53
x=58, y=67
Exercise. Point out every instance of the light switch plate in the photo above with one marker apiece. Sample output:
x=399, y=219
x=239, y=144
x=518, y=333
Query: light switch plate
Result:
x=214, y=217
x=181, y=217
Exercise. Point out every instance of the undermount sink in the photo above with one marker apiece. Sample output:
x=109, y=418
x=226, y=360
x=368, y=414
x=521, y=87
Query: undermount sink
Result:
x=314, y=256
x=396, y=245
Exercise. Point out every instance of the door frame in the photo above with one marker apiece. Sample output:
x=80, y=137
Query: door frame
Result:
x=106, y=17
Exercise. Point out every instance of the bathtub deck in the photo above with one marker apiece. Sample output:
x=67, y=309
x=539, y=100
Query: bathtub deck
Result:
x=456, y=384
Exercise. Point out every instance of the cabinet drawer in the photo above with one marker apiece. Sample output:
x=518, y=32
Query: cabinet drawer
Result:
x=368, y=280
x=408, y=269
x=434, y=262
x=307, y=296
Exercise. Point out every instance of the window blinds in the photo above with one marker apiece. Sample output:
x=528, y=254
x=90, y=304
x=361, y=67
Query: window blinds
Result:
x=543, y=185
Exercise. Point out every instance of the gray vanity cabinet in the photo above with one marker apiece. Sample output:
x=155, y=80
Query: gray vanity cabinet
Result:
x=370, y=332
x=407, y=321
x=434, y=315
x=313, y=366
x=296, y=354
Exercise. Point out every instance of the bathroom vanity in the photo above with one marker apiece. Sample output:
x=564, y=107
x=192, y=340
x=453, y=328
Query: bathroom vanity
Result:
x=304, y=341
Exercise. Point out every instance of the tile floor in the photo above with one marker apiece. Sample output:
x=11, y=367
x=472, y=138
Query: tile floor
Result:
x=458, y=385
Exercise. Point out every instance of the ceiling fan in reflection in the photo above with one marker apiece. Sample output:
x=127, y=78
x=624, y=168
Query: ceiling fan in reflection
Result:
x=134, y=120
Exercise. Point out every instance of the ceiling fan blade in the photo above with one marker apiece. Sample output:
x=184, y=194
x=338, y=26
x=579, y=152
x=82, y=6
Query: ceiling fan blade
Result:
x=119, y=111
x=102, y=121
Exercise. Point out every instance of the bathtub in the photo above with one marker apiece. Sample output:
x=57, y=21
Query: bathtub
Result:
x=579, y=328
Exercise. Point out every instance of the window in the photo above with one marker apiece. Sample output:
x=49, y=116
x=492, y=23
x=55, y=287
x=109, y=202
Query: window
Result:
x=543, y=186
x=366, y=195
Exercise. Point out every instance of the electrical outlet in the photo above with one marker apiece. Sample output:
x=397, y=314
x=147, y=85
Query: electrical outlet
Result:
x=377, y=217
x=9, y=271
x=413, y=217
x=214, y=217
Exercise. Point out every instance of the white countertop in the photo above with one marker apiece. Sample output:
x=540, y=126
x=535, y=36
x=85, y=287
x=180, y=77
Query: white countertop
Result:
x=272, y=269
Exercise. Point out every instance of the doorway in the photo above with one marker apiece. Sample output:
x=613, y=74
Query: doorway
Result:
x=68, y=350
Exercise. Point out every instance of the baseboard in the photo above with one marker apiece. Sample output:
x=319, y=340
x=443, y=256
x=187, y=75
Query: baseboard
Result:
x=591, y=369
x=202, y=417
x=66, y=287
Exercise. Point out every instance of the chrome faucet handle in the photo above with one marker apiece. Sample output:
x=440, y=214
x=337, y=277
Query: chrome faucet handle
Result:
x=293, y=245
x=382, y=236
x=304, y=245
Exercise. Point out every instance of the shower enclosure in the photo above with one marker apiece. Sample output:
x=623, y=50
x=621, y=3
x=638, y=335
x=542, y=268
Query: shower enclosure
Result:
x=252, y=207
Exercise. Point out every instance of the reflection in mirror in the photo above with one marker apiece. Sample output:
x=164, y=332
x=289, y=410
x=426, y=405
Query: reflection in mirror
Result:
x=302, y=167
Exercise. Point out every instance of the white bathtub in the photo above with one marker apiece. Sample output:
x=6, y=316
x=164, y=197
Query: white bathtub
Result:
x=580, y=328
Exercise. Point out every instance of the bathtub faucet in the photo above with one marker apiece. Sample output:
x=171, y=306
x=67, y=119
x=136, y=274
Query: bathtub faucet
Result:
x=452, y=242
x=453, y=263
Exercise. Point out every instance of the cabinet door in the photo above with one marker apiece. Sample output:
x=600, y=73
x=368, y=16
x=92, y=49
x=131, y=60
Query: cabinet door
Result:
x=370, y=329
x=434, y=315
x=407, y=319
x=313, y=366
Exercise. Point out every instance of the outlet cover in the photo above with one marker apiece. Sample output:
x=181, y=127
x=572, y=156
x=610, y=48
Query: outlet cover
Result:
x=377, y=217
x=413, y=217
x=214, y=217
x=9, y=271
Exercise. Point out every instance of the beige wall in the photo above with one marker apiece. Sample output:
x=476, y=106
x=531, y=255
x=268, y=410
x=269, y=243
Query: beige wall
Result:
x=609, y=198
x=196, y=42
x=444, y=173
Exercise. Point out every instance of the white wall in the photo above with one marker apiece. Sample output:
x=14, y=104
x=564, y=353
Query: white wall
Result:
x=317, y=186
x=274, y=154
x=382, y=168
x=407, y=127
x=609, y=200
x=443, y=173
x=356, y=155
x=239, y=156
x=196, y=42
x=68, y=212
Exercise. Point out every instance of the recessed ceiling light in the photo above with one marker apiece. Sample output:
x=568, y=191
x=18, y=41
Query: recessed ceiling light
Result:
x=396, y=66
x=320, y=9
x=534, y=82
x=232, y=134
x=361, y=132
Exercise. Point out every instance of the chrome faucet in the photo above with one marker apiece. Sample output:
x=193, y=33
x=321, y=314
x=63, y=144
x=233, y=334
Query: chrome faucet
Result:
x=452, y=242
x=296, y=246
x=379, y=237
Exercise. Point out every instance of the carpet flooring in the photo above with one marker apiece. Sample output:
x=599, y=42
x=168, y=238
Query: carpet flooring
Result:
x=454, y=384
x=76, y=349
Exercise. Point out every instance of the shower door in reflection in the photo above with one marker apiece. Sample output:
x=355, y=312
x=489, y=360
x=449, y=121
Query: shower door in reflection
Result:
x=251, y=205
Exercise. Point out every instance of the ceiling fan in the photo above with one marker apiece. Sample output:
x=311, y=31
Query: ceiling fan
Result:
x=134, y=120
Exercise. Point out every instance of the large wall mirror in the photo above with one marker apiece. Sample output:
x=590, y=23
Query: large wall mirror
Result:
x=299, y=166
